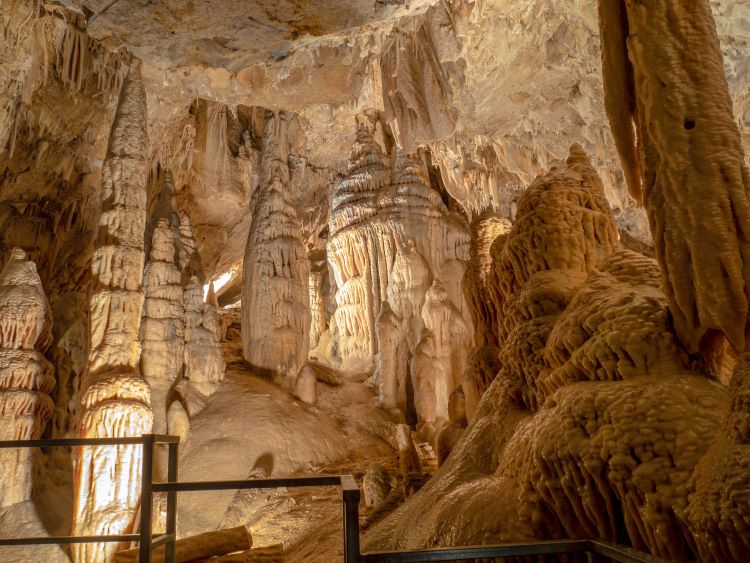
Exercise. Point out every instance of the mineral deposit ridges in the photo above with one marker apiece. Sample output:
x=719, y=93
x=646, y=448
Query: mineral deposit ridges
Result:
x=487, y=256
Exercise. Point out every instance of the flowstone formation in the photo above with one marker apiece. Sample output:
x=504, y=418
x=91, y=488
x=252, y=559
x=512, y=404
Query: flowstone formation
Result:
x=594, y=425
x=26, y=377
x=397, y=255
x=690, y=166
x=115, y=399
x=275, y=291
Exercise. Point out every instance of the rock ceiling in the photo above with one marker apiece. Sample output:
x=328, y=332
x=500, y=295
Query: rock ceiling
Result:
x=507, y=88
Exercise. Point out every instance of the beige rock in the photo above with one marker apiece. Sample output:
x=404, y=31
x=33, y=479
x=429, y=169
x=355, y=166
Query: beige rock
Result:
x=26, y=377
x=275, y=294
x=579, y=427
x=115, y=399
x=696, y=196
x=376, y=485
x=305, y=386
x=198, y=547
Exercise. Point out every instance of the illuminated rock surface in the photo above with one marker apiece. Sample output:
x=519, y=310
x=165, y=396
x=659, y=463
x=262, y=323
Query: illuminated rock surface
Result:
x=487, y=256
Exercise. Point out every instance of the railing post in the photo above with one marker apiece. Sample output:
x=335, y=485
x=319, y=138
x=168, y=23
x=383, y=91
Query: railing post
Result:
x=171, y=503
x=147, y=498
x=350, y=495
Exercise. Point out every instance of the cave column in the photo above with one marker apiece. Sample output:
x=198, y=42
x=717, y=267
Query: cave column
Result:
x=26, y=377
x=115, y=398
x=275, y=291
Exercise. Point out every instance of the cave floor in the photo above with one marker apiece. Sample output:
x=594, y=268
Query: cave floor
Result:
x=251, y=422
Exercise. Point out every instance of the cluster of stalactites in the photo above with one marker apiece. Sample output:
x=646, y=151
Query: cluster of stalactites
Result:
x=397, y=256
x=26, y=377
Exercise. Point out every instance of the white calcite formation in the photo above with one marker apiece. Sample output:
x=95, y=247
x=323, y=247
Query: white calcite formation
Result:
x=115, y=399
x=26, y=377
x=275, y=291
x=180, y=333
x=204, y=358
x=397, y=254
x=162, y=333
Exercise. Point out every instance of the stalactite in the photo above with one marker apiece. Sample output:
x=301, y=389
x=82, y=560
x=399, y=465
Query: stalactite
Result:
x=666, y=57
x=26, y=377
x=275, y=295
x=115, y=399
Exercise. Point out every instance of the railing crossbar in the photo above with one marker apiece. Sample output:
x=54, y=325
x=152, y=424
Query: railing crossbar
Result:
x=478, y=551
x=350, y=496
x=68, y=539
x=192, y=486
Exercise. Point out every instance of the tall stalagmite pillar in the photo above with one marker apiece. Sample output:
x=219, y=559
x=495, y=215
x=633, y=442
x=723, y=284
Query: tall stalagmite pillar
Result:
x=115, y=399
x=162, y=332
x=275, y=294
x=26, y=377
x=204, y=357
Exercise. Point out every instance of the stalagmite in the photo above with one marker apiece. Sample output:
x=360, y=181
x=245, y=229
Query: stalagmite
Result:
x=392, y=238
x=663, y=66
x=391, y=367
x=317, y=304
x=427, y=371
x=115, y=399
x=162, y=333
x=482, y=291
x=305, y=385
x=275, y=293
x=451, y=338
x=204, y=358
x=26, y=377
x=352, y=205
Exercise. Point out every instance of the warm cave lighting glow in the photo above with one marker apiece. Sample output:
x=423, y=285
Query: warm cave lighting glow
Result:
x=219, y=282
x=487, y=260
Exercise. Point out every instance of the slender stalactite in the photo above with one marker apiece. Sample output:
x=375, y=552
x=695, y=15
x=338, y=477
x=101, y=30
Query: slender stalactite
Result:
x=115, y=398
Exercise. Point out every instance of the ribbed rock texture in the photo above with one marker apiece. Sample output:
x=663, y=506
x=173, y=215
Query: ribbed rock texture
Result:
x=26, y=377
x=162, y=331
x=397, y=255
x=115, y=399
x=665, y=83
x=275, y=291
x=594, y=426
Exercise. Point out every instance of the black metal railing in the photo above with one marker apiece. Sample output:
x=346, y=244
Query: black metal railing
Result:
x=146, y=440
x=594, y=549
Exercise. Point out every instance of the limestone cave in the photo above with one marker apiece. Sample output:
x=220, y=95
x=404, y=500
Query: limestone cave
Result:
x=485, y=262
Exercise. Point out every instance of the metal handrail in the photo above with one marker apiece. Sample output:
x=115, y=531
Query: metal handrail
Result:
x=349, y=493
x=591, y=548
x=350, y=499
x=76, y=442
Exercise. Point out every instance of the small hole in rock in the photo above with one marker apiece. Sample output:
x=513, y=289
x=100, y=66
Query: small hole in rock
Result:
x=689, y=123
